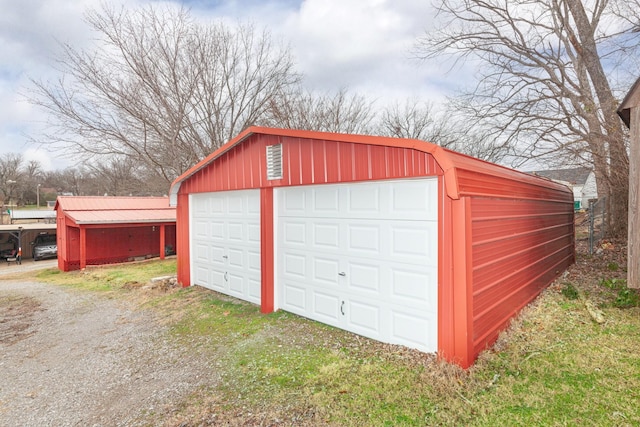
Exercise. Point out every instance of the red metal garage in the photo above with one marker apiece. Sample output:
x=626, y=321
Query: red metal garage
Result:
x=398, y=240
x=106, y=230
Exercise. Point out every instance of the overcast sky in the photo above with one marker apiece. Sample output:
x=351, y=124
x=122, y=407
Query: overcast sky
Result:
x=362, y=45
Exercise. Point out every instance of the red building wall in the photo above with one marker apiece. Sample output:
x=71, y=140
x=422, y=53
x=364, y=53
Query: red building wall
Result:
x=108, y=245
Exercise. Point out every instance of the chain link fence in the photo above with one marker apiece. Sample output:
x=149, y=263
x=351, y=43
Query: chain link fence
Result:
x=597, y=221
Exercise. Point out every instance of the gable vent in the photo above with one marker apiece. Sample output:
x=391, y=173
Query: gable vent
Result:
x=274, y=161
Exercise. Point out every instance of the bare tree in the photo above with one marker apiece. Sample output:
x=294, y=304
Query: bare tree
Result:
x=418, y=120
x=11, y=177
x=117, y=177
x=70, y=180
x=160, y=88
x=542, y=84
x=338, y=112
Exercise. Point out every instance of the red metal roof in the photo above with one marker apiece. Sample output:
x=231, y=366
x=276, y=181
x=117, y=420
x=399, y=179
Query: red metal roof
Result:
x=451, y=162
x=116, y=210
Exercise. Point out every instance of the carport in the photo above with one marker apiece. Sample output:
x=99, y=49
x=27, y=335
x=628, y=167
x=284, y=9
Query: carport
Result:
x=108, y=230
x=19, y=236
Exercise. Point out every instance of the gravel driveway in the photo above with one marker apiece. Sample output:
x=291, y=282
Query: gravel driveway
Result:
x=71, y=358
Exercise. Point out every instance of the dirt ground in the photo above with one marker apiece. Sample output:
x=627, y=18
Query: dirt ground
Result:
x=70, y=358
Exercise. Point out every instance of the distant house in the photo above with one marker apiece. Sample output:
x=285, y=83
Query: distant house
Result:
x=581, y=180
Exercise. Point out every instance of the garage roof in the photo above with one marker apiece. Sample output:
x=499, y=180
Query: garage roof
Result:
x=116, y=210
x=450, y=161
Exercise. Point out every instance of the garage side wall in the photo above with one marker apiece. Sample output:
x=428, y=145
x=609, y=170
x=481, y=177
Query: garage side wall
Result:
x=521, y=238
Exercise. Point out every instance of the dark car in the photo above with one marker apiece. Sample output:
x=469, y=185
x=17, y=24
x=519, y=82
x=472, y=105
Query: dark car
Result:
x=45, y=246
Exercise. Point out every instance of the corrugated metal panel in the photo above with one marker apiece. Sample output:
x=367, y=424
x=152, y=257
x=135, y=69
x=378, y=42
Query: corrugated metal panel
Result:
x=308, y=162
x=90, y=203
x=518, y=247
x=113, y=245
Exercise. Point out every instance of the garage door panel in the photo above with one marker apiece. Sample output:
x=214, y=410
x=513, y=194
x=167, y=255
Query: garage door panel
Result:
x=364, y=318
x=217, y=257
x=254, y=260
x=255, y=290
x=364, y=237
x=414, y=200
x=326, y=236
x=364, y=277
x=218, y=282
x=201, y=253
x=236, y=205
x=236, y=284
x=202, y=276
x=236, y=258
x=411, y=286
x=253, y=233
x=326, y=201
x=216, y=206
x=326, y=271
x=294, y=297
x=201, y=229
x=293, y=202
x=294, y=265
x=362, y=257
x=294, y=233
x=217, y=230
x=200, y=207
x=325, y=307
x=413, y=244
x=363, y=200
x=236, y=232
x=411, y=329
x=232, y=247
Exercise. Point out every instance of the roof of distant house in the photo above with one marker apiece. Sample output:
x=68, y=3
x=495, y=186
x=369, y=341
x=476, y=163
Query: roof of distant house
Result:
x=116, y=210
x=575, y=176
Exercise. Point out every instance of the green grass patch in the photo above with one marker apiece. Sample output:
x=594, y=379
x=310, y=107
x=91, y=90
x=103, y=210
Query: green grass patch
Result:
x=110, y=278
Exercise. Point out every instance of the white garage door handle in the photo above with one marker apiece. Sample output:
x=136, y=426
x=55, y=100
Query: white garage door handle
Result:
x=342, y=308
x=342, y=273
x=226, y=278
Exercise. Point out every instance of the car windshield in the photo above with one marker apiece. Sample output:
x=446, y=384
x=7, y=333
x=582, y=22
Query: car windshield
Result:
x=46, y=239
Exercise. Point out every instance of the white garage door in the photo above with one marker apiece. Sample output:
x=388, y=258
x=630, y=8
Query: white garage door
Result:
x=362, y=257
x=225, y=242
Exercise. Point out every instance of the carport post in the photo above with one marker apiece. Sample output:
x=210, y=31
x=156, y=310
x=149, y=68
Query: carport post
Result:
x=83, y=248
x=162, y=234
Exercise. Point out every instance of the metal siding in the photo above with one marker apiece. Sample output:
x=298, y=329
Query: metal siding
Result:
x=519, y=246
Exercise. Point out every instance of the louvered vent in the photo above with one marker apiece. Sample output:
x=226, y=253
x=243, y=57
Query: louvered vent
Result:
x=274, y=161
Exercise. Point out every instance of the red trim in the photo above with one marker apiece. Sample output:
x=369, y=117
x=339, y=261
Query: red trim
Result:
x=162, y=241
x=461, y=284
x=446, y=344
x=267, y=261
x=83, y=248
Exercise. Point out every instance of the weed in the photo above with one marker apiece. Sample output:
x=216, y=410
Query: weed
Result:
x=624, y=297
x=570, y=291
x=613, y=283
x=627, y=298
x=613, y=266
